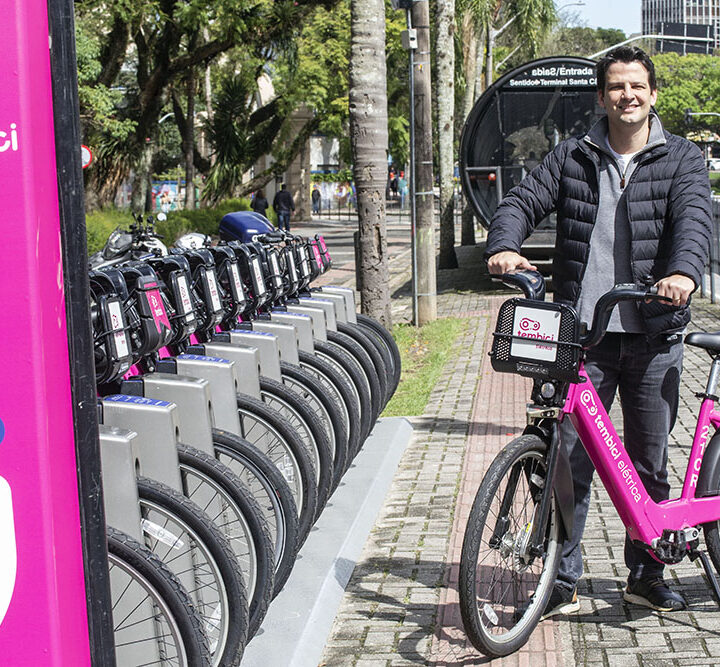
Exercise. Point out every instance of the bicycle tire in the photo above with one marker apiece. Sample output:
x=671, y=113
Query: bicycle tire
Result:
x=165, y=609
x=384, y=337
x=326, y=402
x=308, y=427
x=265, y=428
x=494, y=565
x=272, y=493
x=348, y=368
x=367, y=368
x=239, y=518
x=379, y=362
x=336, y=383
x=711, y=530
x=167, y=515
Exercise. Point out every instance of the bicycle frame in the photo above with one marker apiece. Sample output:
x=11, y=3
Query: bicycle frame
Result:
x=644, y=519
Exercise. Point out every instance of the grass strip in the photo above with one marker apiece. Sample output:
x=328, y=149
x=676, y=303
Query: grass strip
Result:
x=424, y=351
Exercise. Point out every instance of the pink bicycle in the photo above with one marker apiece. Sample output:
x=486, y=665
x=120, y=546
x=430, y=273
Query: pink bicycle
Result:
x=523, y=510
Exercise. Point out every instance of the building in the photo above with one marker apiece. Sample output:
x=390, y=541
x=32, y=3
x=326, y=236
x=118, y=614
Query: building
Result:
x=694, y=12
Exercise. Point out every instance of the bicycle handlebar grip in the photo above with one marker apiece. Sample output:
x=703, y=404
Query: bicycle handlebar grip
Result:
x=531, y=283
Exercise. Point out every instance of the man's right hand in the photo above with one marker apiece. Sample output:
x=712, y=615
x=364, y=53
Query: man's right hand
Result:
x=507, y=261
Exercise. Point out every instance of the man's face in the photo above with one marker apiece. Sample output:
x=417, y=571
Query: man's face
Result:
x=627, y=97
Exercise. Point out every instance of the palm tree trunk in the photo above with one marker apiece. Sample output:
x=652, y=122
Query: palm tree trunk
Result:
x=425, y=281
x=445, y=97
x=189, y=142
x=469, y=38
x=369, y=141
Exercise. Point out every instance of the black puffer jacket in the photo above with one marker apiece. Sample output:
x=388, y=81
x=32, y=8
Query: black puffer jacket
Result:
x=668, y=201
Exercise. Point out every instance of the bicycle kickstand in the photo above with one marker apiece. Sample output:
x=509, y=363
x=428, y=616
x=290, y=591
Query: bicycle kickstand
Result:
x=709, y=572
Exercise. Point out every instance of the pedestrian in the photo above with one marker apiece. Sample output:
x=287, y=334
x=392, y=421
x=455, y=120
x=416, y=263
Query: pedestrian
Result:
x=260, y=203
x=403, y=189
x=394, y=184
x=633, y=205
x=284, y=206
x=315, y=197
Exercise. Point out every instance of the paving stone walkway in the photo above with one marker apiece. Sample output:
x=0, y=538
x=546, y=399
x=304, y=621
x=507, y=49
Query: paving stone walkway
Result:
x=400, y=607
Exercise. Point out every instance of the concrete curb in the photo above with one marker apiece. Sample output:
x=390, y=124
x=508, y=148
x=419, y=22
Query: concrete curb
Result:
x=300, y=619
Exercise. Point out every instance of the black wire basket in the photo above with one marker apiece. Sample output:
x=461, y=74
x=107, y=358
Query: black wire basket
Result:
x=537, y=339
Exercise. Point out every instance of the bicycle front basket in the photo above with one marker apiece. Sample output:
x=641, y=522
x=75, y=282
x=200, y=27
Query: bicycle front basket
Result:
x=537, y=339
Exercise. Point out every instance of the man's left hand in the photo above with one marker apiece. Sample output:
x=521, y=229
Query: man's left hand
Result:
x=677, y=287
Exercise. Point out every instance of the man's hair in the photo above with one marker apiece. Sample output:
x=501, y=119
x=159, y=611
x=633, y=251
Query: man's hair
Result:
x=625, y=54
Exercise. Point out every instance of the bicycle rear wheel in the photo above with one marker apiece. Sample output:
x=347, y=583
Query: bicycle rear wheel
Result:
x=154, y=620
x=215, y=489
x=272, y=493
x=383, y=337
x=503, y=588
x=187, y=542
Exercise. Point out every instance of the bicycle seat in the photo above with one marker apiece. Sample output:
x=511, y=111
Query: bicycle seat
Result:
x=707, y=341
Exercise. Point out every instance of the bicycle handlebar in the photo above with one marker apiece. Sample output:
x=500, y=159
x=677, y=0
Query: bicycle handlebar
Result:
x=531, y=283
x=606, y=303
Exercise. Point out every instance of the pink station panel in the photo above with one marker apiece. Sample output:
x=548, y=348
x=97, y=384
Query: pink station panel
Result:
x=43, y=613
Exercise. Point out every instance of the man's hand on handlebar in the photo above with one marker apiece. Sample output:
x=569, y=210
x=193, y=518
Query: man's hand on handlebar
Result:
x=676, y=287
x=508, y=261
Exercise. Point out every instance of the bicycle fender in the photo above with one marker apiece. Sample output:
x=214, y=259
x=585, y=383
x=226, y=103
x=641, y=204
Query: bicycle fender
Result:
x=564, y=492
x=710, y=469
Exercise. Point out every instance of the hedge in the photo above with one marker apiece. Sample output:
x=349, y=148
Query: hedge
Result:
x=101, y=223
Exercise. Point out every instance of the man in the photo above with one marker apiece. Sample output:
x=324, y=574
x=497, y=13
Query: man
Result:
x=633, y=205
x=283, y=205
x=315, y=197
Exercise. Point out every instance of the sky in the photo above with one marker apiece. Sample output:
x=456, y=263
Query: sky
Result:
x=622, y=14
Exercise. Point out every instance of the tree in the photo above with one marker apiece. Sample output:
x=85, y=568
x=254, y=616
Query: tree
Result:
x=422, y=192
x=445, y=104
x=688, y=82
x=579, y=41
x=368, y=137
x=145, y=47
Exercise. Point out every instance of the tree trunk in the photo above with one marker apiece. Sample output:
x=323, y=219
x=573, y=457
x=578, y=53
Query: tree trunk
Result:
x=189, y=142
x=369, y=141
x=480, y=67
x=445, y=97
x=141, y=178
x=467, y=226
x=425, y=282
x=469, y=38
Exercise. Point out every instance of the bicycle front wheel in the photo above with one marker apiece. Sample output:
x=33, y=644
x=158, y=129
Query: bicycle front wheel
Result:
x=503, y=587
x=154, y=619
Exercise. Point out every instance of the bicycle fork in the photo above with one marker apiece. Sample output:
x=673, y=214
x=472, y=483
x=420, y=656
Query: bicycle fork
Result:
x=532, y=543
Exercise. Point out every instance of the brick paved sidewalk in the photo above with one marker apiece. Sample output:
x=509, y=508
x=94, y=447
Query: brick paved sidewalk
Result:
x=400, y=607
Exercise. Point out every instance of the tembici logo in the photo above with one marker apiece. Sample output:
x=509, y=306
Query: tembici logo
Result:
x=9, y=139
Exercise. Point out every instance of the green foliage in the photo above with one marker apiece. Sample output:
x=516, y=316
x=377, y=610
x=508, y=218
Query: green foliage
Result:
x=688, y=82
x=579, y=41
x=206, y=221
x=98, y=103
x=340, y=176
x=424, y=352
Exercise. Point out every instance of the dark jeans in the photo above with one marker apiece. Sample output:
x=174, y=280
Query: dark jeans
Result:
x=646, y=372
x=284, y=220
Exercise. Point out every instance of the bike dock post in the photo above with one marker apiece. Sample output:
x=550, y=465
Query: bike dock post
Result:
x=54, y=590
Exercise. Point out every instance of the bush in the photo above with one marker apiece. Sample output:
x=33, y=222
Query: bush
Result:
x=204, y=220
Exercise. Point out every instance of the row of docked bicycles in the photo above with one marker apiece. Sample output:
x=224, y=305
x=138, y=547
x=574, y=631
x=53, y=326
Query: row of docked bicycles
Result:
x=233, y=397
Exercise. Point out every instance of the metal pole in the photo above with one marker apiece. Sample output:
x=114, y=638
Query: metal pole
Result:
x=413, y=215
